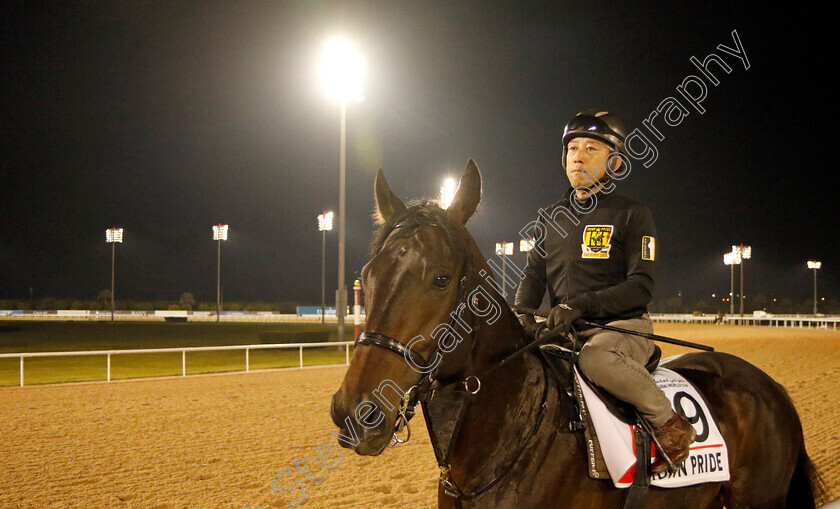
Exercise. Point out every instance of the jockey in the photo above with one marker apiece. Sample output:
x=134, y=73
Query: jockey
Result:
x=595, y=254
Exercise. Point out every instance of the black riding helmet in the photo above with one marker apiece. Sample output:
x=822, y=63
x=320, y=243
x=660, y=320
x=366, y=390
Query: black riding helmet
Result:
x=599, y=124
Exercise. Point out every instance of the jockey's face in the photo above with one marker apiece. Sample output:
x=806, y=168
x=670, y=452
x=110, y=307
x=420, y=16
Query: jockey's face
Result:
x=587, y=154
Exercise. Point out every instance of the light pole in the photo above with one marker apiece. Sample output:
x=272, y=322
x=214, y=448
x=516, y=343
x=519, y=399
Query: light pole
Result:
x=815, y=265
x=732, y=258
x=343, y=76
x=112, y=236
x=220, y=233
x=744, y=252
x=525, y=246
x=504, y=249
x=325, y=222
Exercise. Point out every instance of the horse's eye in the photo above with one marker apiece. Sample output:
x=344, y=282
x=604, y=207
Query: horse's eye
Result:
x=441, y=282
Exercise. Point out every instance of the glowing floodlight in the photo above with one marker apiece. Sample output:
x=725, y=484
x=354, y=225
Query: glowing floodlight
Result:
x=325, y=221
x=504, y=248
x=220, y=232
x=114, y=235
x=344, y=71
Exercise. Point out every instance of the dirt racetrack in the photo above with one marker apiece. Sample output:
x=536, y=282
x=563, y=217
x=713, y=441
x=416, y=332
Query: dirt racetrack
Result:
x=218, y=440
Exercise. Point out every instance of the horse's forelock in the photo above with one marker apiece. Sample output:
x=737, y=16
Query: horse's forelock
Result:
x=417, y=213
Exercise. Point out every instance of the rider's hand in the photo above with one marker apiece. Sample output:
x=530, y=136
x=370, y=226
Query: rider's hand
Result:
x=532, y=328
x=562, y=316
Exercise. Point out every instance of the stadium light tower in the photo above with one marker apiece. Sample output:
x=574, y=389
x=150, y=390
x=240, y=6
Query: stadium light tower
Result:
x=113, y=236
x=343, y=71
x=325, y=223
x=526, y=245
x=447, y=192
x=815, y=266
x=744, y=253
x=220, y=233
x=732, y=258
x=504, y=249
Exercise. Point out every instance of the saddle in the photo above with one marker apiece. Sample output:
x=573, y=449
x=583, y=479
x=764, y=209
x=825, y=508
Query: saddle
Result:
x=561, y=359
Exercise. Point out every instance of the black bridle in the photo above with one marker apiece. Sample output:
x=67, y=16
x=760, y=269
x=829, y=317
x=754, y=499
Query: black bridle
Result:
x=389, y=343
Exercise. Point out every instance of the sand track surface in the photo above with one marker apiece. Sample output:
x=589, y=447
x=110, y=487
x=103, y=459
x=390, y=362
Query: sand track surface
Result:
x=218, y=441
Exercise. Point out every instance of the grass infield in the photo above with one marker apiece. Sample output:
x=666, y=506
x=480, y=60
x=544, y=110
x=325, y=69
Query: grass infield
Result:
x=18, y=337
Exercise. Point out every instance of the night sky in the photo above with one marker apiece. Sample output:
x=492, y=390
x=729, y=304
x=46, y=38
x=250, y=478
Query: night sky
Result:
x=165, y=118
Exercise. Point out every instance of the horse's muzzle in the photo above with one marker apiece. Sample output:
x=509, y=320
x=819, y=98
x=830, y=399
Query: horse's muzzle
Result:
x=364, y=440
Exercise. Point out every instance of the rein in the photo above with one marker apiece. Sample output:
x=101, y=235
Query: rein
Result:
x=648, y=335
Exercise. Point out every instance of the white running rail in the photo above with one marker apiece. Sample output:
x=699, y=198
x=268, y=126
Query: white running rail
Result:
x=247, y=348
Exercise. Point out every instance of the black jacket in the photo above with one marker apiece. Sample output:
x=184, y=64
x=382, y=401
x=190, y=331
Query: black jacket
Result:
x=598, y=256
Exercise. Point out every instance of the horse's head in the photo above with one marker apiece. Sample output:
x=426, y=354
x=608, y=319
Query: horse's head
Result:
x=422, y=258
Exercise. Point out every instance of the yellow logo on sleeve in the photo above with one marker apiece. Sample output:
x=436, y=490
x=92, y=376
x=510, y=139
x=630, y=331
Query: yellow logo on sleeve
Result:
x=596, y=241
x=648, y=248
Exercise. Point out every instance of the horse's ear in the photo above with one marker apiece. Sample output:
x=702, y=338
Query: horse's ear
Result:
x=468, y=194
x=387, y=203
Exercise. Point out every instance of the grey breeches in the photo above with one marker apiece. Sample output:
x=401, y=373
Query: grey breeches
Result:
x=615, y=361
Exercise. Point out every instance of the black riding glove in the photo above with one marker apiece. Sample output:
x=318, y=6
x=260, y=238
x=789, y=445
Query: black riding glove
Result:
x=532, y=328
x=562, y=316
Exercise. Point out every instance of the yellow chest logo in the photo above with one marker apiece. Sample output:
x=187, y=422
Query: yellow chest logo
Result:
x=596, y=241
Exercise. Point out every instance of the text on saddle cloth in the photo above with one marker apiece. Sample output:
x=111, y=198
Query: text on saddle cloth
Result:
x=708, y=460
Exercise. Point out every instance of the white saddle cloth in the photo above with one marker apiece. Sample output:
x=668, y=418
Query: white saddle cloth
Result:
x=708, y=460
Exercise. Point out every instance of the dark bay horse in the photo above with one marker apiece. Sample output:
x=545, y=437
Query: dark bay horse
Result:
x=435, y=320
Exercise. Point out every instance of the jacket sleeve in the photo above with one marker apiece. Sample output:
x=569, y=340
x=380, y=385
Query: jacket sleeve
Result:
x=533, y=285
x=636, y=291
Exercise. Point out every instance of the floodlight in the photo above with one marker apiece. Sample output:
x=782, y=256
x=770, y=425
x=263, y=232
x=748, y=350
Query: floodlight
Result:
x=114, y=235
x=325, y=221
x=344, y=70
x=220, y=232
x=505, y=248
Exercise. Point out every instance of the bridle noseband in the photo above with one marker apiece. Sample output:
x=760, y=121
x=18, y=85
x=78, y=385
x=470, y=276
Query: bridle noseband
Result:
x=389, y=343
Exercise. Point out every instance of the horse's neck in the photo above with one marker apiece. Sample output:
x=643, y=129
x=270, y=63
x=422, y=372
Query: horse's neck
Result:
x=503, y=415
